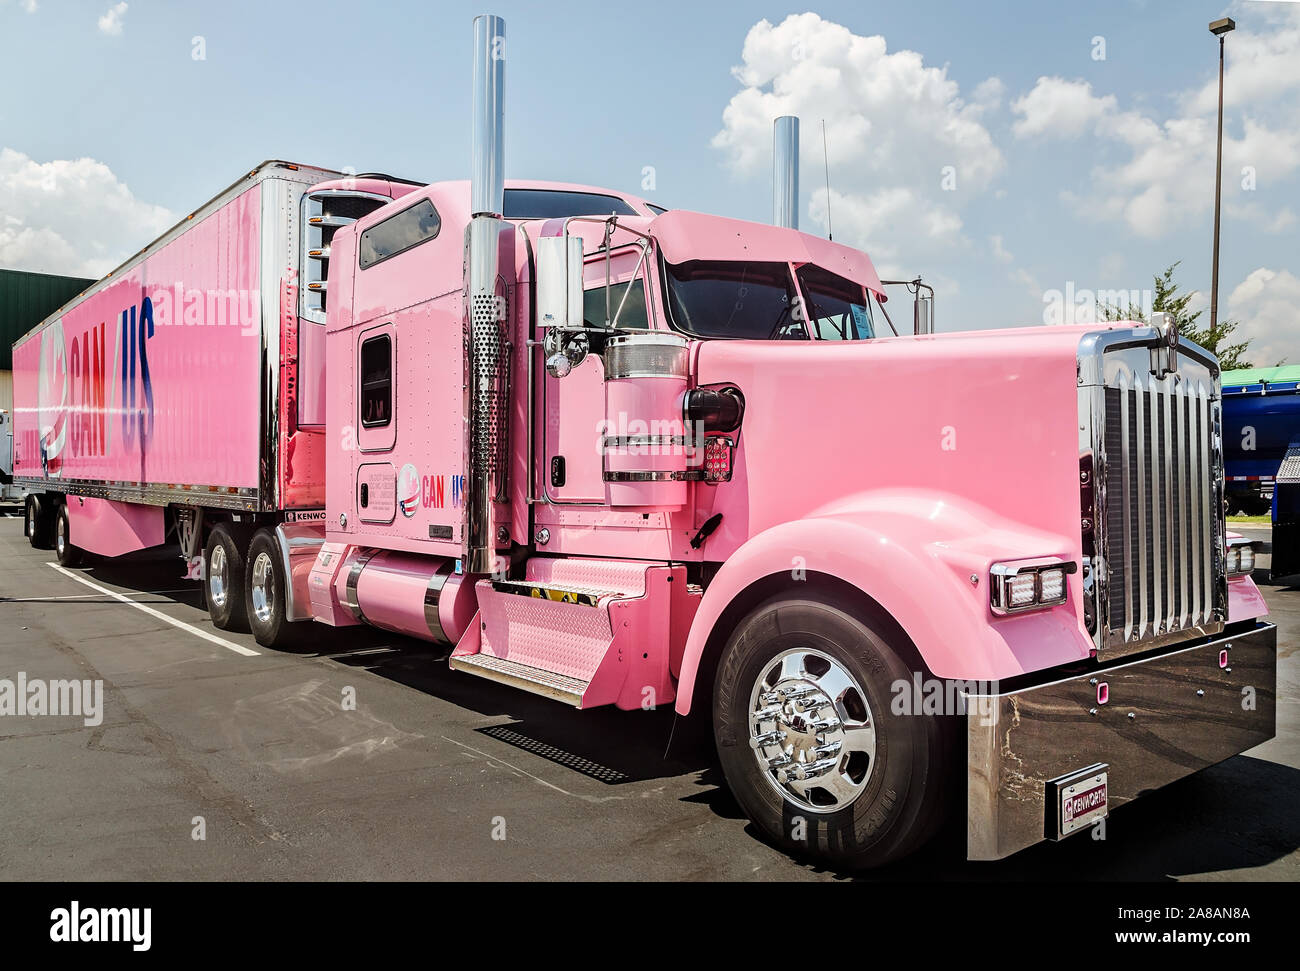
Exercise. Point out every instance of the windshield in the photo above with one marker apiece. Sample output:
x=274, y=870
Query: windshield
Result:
x=751, y=301
x=838, y=309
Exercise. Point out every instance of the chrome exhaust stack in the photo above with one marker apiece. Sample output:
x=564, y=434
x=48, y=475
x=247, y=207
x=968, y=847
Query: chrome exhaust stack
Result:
x=484, y=309
x=785, y=172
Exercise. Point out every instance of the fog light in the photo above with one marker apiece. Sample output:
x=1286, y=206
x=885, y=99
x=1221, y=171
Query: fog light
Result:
x=1051, y=586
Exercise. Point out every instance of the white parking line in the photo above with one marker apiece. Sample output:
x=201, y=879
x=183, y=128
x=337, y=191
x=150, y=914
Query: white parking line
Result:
x=122, y=598
x=82, y=596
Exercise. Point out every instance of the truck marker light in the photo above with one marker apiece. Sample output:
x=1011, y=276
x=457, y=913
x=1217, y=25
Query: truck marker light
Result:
x=1223, y=659
x=1103, y=692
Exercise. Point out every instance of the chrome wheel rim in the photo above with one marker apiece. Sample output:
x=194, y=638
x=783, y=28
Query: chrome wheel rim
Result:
x=61, y=537
x=811, y=730
x=262, y=593
x=31, y=519
x=218, y=576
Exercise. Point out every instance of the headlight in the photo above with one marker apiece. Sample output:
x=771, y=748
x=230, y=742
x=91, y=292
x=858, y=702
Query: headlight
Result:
x=1019, y=585
x=1241, y=558
x=1051, y=585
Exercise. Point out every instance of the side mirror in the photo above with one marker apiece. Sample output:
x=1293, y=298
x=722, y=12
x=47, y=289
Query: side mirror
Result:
x=559, y=282
x=923, y=312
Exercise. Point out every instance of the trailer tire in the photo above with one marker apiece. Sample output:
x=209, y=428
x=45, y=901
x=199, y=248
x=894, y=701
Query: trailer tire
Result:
x=36, y=522
x=223, y=579
x=65, y=552
x=887, y=786
x=264, y=591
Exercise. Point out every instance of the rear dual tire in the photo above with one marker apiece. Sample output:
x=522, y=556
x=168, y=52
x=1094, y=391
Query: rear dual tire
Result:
x=245, y=584
x=67, y=554
x=38, y=522
x=264, y=591
x=223, y=578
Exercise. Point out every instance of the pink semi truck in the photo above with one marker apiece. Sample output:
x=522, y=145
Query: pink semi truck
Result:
x=615, y=455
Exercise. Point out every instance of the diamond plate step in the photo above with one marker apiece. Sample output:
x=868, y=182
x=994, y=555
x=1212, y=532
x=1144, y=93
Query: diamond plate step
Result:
x=538, y=681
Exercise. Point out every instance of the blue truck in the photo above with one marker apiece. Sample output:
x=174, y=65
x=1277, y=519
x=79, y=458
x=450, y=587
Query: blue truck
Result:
x=1261, y=453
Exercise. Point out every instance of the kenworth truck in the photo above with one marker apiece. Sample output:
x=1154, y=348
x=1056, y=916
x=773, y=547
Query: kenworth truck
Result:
x=615, y=455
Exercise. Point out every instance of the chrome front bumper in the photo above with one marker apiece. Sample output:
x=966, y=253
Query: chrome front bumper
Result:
x=1167, y=716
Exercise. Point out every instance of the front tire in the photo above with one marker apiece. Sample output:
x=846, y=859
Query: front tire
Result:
x=809, y=740
x=264, y=591
x=223, y=579
x=67, y=554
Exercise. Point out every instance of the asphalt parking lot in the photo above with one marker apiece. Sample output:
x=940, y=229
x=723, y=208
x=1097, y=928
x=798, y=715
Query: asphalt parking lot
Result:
x=431, y=765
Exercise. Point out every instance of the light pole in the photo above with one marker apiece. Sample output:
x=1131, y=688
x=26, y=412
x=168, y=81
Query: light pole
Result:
x=1219, y=28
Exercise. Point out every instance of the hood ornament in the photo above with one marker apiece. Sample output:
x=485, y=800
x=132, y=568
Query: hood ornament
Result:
x=1164, y=348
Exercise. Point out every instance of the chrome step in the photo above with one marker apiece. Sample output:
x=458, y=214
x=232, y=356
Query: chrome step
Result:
x=548, y=684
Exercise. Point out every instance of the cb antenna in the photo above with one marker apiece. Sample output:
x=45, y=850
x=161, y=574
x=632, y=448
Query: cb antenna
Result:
x=826, y=161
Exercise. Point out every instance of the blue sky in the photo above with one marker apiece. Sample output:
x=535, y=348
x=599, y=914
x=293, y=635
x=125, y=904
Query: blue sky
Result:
x=1071, y=171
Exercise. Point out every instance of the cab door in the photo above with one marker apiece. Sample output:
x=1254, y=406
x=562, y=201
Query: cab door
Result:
x=571, y=467
x=376, y=425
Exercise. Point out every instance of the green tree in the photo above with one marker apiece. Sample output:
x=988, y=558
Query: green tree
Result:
x=1217, y=340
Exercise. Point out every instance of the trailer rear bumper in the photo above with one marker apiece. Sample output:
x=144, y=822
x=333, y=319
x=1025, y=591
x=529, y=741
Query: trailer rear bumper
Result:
x=1163, y=717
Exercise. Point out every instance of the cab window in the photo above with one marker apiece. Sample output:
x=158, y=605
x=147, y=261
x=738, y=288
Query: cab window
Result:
x=633, y=314
x=838, y=309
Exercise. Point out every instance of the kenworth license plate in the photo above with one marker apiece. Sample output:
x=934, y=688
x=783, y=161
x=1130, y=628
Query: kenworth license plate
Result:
x=1081, y=799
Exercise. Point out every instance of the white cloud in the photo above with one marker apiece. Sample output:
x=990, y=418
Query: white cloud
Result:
x=1266, y=303
x=111, y=22
x=1156, y=176
x=1059, y=108
x=999, y=250
x=884, y=112
x=70, y=216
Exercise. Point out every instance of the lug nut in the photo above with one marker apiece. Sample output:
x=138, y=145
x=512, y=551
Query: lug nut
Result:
x=768, y=738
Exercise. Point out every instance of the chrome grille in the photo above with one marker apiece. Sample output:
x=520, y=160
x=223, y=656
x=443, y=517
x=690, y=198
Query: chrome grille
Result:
x=1161, y=532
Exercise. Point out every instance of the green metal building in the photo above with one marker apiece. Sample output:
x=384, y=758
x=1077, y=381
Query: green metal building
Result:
x=25, y=300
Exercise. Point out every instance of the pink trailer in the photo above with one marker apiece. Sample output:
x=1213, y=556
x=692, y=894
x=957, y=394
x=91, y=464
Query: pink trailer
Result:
x=184, y=393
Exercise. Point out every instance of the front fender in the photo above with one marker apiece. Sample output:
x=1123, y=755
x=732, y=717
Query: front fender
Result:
x=914, y=554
